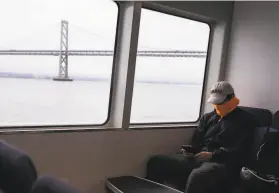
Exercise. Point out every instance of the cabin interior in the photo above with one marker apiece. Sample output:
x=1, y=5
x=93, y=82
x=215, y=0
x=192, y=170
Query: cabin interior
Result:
x=242, y=50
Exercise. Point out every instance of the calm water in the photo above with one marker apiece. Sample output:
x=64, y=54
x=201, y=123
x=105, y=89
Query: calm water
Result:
x=43, y=102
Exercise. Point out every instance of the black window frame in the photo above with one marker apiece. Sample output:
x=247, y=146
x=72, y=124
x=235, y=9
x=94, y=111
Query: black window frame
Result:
x=77, y=126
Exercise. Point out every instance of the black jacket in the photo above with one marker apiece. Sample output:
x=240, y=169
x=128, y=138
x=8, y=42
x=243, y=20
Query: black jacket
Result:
x=230, y=138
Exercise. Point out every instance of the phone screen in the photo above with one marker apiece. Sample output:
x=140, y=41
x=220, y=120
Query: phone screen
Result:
x=188, y=149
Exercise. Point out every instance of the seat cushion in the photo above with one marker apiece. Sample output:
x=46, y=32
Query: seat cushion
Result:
x=133, y=184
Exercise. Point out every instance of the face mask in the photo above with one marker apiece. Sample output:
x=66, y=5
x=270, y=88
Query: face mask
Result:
x=224, y=109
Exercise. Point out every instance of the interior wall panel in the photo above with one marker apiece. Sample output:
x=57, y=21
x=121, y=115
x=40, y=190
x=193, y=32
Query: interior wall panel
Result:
x=253, y=55
x=86, y=159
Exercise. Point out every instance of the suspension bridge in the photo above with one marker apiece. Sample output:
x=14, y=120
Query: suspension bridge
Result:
x=64, y=52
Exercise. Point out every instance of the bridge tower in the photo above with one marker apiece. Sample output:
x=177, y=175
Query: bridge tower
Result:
x=63, y=55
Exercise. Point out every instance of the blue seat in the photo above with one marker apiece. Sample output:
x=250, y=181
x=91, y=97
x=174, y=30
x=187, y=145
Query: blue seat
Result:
x=263, y=118
x=17, y=172
x=266, y=163
x=275, y=123
x=269, y=148
x=49, y=184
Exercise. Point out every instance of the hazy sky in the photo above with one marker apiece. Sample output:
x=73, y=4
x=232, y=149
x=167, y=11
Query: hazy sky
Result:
x=35, y=24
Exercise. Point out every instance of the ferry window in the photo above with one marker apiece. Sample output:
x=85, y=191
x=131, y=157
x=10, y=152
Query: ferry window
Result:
x=169, y=81
x=56, y=60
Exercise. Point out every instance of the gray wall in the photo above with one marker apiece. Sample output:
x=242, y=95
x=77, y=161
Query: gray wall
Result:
x=86, y=159
x=254, y=54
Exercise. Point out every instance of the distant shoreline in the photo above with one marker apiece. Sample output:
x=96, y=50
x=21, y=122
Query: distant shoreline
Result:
x=84, y=78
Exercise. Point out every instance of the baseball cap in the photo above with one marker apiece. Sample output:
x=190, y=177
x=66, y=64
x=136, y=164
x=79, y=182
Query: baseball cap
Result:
x=219, y=92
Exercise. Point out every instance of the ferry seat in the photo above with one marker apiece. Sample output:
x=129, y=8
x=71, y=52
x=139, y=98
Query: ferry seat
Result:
x=49, y=184
x=263, y=118
x=275, y=123
x=134, y=184
x=265, y=163
x=17, y=171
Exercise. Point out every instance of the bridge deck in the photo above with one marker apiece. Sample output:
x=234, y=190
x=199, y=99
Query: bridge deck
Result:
x=196, y=54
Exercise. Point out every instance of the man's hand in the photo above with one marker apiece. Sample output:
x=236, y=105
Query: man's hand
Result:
x=203, y=156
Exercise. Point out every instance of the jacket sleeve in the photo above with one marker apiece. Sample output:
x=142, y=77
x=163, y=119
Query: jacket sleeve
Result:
x=197, y=140
x=240, y=151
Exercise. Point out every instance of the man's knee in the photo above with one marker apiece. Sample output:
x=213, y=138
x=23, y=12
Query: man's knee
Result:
x=155, y=161
x=167, y=161
x=155, y=165
x=162, y=165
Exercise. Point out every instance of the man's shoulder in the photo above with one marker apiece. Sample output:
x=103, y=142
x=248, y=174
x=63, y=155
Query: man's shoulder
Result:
x=208, y=115
x=212, y=113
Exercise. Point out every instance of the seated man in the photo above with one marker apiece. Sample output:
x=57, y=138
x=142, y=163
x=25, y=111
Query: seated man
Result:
x=222, y=142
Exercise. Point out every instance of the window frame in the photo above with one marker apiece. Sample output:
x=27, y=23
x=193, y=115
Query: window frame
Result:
x=78, y=127
x=181, y=14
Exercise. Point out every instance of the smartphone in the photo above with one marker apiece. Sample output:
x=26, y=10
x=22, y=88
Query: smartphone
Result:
x=189, y=149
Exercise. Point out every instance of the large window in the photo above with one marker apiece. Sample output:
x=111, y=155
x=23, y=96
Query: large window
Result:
x=169, y=82
x=29, y=61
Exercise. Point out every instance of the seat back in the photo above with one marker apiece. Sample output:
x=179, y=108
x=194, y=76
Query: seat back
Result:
x=275, y=123
x=263, y=118
x=268, y=154
x=17, y=171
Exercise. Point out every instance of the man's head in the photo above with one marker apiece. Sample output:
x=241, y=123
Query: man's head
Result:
x=220, y=93
x=223, y=98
